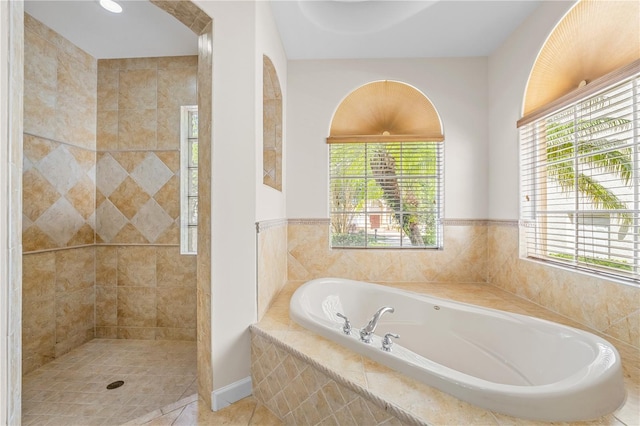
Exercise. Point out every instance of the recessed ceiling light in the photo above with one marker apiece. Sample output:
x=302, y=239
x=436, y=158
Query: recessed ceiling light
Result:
x=111, y=6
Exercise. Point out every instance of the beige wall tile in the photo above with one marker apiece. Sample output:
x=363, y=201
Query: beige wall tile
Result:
x=177, y=87
x=34, y=239
x=140, y=333
x=137, y=129
x=107, y=87
x=38, y=276
x=168, y=197
x=37, y=194
x=136, y=307
x=83, y=236
x=74, y=316
x=171, y=235
x=36, y=148
x=165, y=333
x=129, y=235
x=75, y=270
x=174, y=269
x=82, y=197
x=106, y=307
x=138, y=63
x=74, y=340
x=40, y=83
x=76, y=102
x=171, y=159
x=272, y=264
x=106, y=266
x=604, y=305
x=137, y=89
x=167, y=62
x=129, y=197
x=137, y=267
x=107, y=130
x=129, y=160
x=176, y=307
x=168, y=128
x=106, y=332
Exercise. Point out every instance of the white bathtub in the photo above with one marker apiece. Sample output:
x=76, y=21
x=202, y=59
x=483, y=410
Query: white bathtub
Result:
x=509, y=363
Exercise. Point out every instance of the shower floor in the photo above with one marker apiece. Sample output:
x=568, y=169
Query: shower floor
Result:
x=72, y=389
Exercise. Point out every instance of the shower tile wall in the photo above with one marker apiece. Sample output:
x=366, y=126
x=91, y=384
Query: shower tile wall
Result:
x=58, y=196
x=144, y=288
x=100, y=198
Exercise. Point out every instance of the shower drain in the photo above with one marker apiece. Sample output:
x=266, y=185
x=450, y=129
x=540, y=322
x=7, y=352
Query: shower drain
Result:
x=115, y=384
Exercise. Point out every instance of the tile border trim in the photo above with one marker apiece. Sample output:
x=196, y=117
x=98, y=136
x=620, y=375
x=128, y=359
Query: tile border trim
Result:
x=392, y=409
x=268, y=224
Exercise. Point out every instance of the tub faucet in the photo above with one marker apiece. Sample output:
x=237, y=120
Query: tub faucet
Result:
x=367, y=330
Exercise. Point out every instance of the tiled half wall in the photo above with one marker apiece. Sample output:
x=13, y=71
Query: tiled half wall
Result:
x=101, y=198
x=475, y=251
x=302, y=392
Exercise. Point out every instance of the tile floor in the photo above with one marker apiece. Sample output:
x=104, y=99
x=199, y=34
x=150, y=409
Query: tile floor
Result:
x=191, y=411
x=71, y=390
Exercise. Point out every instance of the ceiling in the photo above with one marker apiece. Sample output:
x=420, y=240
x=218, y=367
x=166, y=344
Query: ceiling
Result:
x=141, y=30
x=309, y=29
x=396, y=29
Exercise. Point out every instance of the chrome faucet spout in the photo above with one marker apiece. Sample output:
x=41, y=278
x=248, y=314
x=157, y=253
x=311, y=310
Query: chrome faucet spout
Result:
x=367, y=330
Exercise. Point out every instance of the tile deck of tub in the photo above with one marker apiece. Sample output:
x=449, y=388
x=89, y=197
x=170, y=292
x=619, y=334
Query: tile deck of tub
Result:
x=419, y=401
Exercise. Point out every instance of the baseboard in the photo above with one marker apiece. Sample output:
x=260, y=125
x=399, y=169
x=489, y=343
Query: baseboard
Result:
x=229, y=394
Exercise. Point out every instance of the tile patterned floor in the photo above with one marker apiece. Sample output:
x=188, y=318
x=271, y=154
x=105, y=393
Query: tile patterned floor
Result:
x=71, y=390
x=191, y=411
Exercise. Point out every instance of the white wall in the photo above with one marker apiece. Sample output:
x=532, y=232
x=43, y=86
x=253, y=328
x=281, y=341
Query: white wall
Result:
x=242, y=33
x=5, y=247
x=270, y=203
x=233, y=205
x=509, y=69
x=457, y=87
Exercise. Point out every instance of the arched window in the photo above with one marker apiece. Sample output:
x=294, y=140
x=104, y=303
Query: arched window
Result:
x=579, y=143
x=385, y=169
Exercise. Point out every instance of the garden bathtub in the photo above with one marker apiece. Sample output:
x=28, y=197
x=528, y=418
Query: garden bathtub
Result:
x=505, y=362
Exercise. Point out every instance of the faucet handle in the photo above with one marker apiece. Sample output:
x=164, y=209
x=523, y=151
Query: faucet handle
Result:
x=346, y=328
x=387, y=342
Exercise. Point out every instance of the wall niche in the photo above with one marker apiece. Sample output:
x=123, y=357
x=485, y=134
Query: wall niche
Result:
x=271, y=126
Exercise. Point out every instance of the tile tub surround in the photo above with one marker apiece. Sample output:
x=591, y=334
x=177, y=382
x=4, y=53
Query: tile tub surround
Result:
x=72, y=389
x=610, y=307
x=272, y=261
x=463, y=259
x=475, y=251
x=400, y=394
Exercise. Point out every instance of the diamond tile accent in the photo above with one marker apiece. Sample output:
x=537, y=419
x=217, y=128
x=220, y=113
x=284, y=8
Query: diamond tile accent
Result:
x=151, y=174
x=82, y=197
x=37, y=195
x=60, y=222
x=129, y=197
x=109, y=221
x=110, y=174
x=60, y=168
x=151, y=220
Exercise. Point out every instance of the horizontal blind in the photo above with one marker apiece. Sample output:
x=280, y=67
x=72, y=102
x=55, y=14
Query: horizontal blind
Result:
x=580, y=185
x=386, y=195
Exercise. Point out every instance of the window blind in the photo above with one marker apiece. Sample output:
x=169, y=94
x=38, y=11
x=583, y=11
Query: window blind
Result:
x=580, y=186
x=385, y=195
